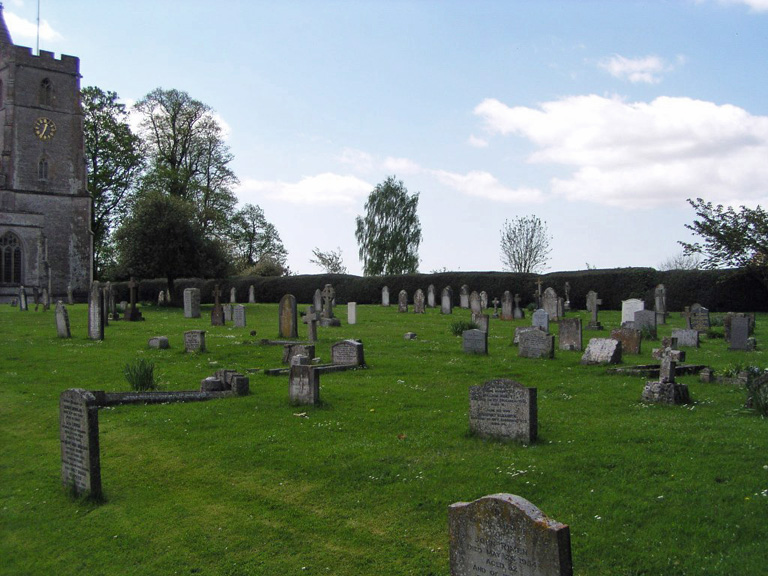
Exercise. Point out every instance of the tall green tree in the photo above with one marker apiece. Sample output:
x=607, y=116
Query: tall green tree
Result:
x=114, y=161
x=389, y=235
x=257, y=244
x=331, y=262
x=525, y=244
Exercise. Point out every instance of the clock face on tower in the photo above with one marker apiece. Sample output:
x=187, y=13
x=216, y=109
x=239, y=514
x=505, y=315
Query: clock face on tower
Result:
x=44, y=128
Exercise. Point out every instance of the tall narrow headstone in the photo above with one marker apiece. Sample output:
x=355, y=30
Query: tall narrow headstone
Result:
x=62, y=320
x=105, y=303
x=232, y=295
x=385, y=296
x=227, y=309
x=569, y=334
x=431, y=296
x=46, y=299
x=251, y=294
x=217, y=314
x=70, y=295
x=317, y=301
x=474, y=303
x=660, y=304
x=518, y=313
x=464, y=297
x=629, y=307
x=310, y=318
x=23, y=306
x=351, y=313
x=593, y=306
x=505, y=535
x=507, y=306
x=418, y=302
x=191, y=303
x=95, y=313
x=446, y=301
x=402, y=301
x=79, y=438
x=239, y=316
x=484, y=299
x=288, y=317
x=503, y=409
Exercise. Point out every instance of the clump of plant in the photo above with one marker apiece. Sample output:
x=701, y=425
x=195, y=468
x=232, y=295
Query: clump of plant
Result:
x=648, y=334
x=757, y=392
x=140, y=375
x=458, y=327
x=714, y=333
x=716, y=320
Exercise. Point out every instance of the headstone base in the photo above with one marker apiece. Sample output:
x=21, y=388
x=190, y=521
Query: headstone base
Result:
x=666, y=393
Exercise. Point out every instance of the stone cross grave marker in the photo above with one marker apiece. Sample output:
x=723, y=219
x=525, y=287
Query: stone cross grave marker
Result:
x=194, y=341
x=402, y=301
x=602, y=351
x=495, y=303
x=629, y=307
x=79, y=438
x=593, y=305
x=133, y=314
x=666, y=390
x=474, y=341
x=431, y=296
x=506, y=535
x=385, y=296
x=464, y=297
x=239, y=316
x=418, y=302
x=503, y=409
x=518, y=313
x=95, y=313
x=191, y=303
x=540, y=319
x=329, y=294
x=446, y=301
x=310, y=319
x=62, y=320
x=631, y=339
x=474, y=303
x=570, y=334
x=536, y=344
x=217, y=314
x=288, y=325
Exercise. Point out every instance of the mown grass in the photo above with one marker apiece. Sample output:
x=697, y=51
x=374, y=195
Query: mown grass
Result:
x=362, y=484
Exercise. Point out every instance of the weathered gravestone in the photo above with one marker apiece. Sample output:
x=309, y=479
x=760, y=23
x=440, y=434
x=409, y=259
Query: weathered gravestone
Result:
x=536, y=344
x=567, y=304
x=409, y=336
x=540, y=319
x=227, y=309
x=133, y=314
x=194, y=341
x=385, y=296
x=95, y=313
x=728, y=319
x=484, y=299
x=686, y=338
x=570, y=334
x=70, y=295
x=503, y=409
x=238, y=316
x=191, y=303
x=304, y=384
x=698, y=318
x=629, y=307
x=62, y=320
x=310, y=319
x=660, y=304
x=217, y=314
x=288, y=325
x=23, y=306
x=431, y=296
x=507, y=305
x=602, y=351
x=290, y=351
x=317, y=301
x=474, y=341
x=159, y=342
x=519, y=330
x=474, y=303
x=79, y=437
x=402, y=301
x=549, y=302
x=645, y=320
x=418, y=302
x=631, y=339
x=483, y=321
x=106, y=291
x=593, y=305
x=351, y=313
x=740, y=339
x=464, y=297
x=232, y=295
x=329, y=298
x=161, y=298
x=506, y=535
x=666, y=390
x=251, y=294
x=348, y=353
x=47, y=299
x=496, y=303
x=518, y=313
x=446, y=301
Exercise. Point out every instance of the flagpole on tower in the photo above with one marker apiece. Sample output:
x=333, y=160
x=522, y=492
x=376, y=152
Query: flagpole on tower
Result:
x=37, y=46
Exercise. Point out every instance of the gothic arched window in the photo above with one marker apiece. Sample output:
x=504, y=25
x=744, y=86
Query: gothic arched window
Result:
x=10, y=259
x=42, y=170
x=46, y=92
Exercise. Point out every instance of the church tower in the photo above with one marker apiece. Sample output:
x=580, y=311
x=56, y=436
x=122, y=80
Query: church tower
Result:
x=45, y=209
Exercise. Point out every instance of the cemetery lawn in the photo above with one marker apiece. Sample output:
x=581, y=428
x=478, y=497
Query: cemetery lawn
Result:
x=361, y=485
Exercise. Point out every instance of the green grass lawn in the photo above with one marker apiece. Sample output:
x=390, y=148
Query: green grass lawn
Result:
x=361, y=485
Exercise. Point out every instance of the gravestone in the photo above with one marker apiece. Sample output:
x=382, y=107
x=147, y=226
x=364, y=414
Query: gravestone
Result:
x=304, y=385
x=227, y=309
x=686, y=338
x=70, y=295
x=540, y=319
x=518, y=312
x=348, y=353
x=112, y=307
x=536, y=344
x=629, y=307
x=251, y=294
x=698, y=318
x=602, y=351
x=464, y=297
x=290, y=351
x=496, y=303
x=402, y=301
x=239, y=316
x=329, y=297
x=79, y=438
x=519, y=330
x=317, y=301
x=232, y=295
x=483, y=299
x=593, y=305
x=161, y=298
x=446, y=301
x=537, y=294
x=95, y=313
x=474, y=303
x=646, y=319
x=631, y=339
x=549, y=302
x=310, y=319
x=191, y=303
x=351, y=313
x=507, y=305
x=385, y=296
x=567, y=305
x=217, y=314
x=168, y=296
x=728, y=319
x=431, y=296
x=740, y=339
x=194, y=341
x=288, y=325
x=62, y=320
x=133, y=314
x=23, y=306
x=506, y=535
x=660, y=304
x=159, y=343
x=570, y=334
x=666, y=390
x=47, y=300
x=482, y=321
x=418, y=302
x=105, y=303
x=409, y=336
x=474, y=341
x=505, y=410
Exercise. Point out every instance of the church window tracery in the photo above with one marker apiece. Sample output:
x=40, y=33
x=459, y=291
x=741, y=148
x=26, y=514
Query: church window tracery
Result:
x=10, y=259
x=46, y=92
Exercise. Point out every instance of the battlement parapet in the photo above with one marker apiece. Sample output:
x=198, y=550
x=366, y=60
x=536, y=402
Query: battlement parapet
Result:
x=46, y=60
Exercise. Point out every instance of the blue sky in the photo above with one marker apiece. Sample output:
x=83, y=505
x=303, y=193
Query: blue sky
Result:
x=600, y=117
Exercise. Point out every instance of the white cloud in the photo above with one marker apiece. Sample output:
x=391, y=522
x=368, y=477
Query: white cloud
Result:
x=647, y=69
x=26, y=30
x=485, y=185
x=754, y=5
x=400, y=165
x=476, y=142
x=325, y=189
x=359, y=160
x=642, y=154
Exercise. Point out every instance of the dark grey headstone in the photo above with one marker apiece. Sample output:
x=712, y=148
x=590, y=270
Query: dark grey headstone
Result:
x=646, y=320
x=503, y=409
x=507, y=305
x=474, y=341
x=194, y=341
x=159, y=342
x=536, y=344
x=569, y=334
x=698, y=318
x=79, y=436
x=506, y=535
x=602, y=351
x=740, y=334
x=239, y=316
x=251, y=294
x=348, y=352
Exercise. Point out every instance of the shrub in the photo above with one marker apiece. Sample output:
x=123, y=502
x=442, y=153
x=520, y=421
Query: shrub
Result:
x=141, y=375
x=458, y=327
x=757, y=393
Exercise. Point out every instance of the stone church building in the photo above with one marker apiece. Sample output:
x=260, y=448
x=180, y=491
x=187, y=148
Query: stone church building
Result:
x=45, y=208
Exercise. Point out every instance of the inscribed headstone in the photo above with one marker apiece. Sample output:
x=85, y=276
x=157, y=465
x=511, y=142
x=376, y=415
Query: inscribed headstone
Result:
x=385, y=296
x=536, y=344
x=631, y=339
x=418, y=302
x=239, y=316
x=62, y=320
x=79, y=437
x=191, y=303
x=503, y=409
x=95, y=313
x=519, y=330
x=288, y=327
x=698, y=318
x=540, y=319
x=402, y=301
x=304, y=385
x=348, y=353
x=629, y=307
x=569, y=334
x=602, y=351
x=464, y=297
x=474, y=341
x=194, y=341
x=728, y=318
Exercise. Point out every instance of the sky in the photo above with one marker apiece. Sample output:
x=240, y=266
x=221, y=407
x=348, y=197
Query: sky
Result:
x=599, y=117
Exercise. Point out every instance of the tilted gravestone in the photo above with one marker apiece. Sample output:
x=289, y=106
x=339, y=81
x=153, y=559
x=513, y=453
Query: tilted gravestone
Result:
x=569, y=335
x=62, y=320
x=686, y=338
x=351, y=313
x=464, y=297
x=602, y=351
x=506, y=535
x=540, y=319
x=418, y=302
x=474, y=341
x=698, y=318
x=431, y=296
x=629, y=307
x=507, y=305
x=503, y=409
x=79, y=437
x=304, y=385
x=238, y=316
x=402, y=301
x=348, y=353
x=288, y=325
x=536, y=344
x=630, y=338
x=446, y=301
x=646, y=320
x=95, y=313
x=191, y=303
x=474, y=303
x=385, y=296
x=194, y=341
x=740, y=339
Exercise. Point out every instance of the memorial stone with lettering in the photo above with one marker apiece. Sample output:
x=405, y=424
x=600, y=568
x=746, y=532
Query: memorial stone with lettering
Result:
x=304, y=385
x=536, y=344
x=646, y=320
x=686, y=338
x=191, y=303
x=348, y=353
x=79, y=438
x=540, y=319
x=474, y=341
x=569, y=335
x=238, y=316
x=602, y=351
x=194, y=341
x=503, y=409
x=698, y=318
x=402, y=301
x=549, y=302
